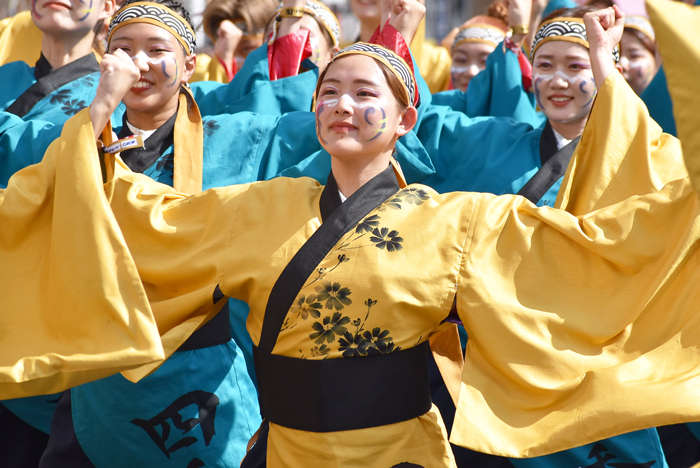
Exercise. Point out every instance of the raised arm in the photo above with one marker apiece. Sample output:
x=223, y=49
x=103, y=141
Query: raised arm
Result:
x=577, y=321
x=622, y=152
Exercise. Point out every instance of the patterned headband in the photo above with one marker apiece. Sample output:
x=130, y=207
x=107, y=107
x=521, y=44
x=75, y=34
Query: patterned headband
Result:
x=483, y=33
x=157, y=15
x=395, y=63
x=640, y=24
x=565, y=29
x=323, y=15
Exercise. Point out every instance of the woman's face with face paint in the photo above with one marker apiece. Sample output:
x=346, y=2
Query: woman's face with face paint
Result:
x=468, y=59
x=638, y=64
x=356, y=112
x=162, y=62
x=66, y=16
x=563, y=81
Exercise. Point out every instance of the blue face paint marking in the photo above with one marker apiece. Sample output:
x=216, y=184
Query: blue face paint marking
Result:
x=162, y=66
x=378, y=131
x=87, y=10
x=580, y=87
x=319, y=109
x=537, y=92
x=34, y=10
x=368, y=112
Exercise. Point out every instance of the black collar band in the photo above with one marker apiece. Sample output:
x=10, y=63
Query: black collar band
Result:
x=52, y=81
x=140, y=159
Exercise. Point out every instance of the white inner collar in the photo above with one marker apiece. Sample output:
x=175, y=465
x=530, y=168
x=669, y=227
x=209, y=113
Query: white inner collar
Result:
x=143, y=133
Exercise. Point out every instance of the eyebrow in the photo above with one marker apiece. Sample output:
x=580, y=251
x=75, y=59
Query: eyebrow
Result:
x=568, y=57
x=357, y=81
x=149, y=39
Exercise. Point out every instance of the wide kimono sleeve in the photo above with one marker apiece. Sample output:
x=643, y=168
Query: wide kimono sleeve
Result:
x=497, y=91
x=678, y=36
x=73, y=308
x=577, y=322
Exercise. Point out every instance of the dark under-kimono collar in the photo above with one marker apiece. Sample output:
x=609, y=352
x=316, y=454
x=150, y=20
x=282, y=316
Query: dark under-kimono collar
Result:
x=548, y=143
x=374, y=192
x=49, y=80
x=140, y=159
x=42, y=68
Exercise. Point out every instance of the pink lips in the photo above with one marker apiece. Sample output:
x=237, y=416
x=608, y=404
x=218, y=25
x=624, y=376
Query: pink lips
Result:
x=342, y=127
x=560, y=103
x=57, y=5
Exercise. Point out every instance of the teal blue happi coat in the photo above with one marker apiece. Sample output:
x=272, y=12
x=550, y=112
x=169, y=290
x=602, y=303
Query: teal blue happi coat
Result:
x=21, y=143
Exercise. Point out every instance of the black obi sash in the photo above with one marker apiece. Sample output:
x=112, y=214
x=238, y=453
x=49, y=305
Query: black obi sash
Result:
x=346, y=393
x=554, y=164
x=49, y=80
x=140, y=159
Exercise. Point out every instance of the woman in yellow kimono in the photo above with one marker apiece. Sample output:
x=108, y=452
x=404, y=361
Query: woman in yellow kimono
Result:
x=568, y=317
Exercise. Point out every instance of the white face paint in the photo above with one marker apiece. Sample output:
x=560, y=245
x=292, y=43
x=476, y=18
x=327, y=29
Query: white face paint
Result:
x=472, y=69
x=548, y=77
x=346, y=100
x=144, y=57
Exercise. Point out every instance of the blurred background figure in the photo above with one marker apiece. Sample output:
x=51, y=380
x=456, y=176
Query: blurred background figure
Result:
x=639, y=60
x=474, y=42
x=235, y=28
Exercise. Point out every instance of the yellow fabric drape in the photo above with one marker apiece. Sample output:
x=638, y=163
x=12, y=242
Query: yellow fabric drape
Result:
x=209, y=69
x=433, y=61
x=188, y=146
x=20, y=39
x=542, y=381
x=677, y=27
x=73, y=308
x=612, y=162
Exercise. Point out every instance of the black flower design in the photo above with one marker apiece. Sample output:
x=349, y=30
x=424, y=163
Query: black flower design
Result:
x=382, y=347
x=61, y=97
x=377, y=335
x=305, y=306
x=393, y=203
x=335, y=296
x=318, y=351
x=210, y=126
x=329, y=327
x=87, y=81
x=386, y=239
x=415, y=196
x=72, y=107
x=353, y=345
x=367, y=224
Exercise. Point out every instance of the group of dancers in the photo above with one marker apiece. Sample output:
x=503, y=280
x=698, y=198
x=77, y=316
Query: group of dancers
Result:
x=299, y=252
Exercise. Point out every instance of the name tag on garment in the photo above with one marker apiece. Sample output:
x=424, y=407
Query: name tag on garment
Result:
x=134, y=141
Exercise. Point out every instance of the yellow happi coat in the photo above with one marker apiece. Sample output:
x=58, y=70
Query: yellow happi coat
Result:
x=575, y=323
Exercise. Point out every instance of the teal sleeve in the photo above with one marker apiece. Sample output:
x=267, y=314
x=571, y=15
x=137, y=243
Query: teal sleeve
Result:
x=480, y=154
x=658, y=101
x=23, y=143
x=16, y=78
x=251, y=90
